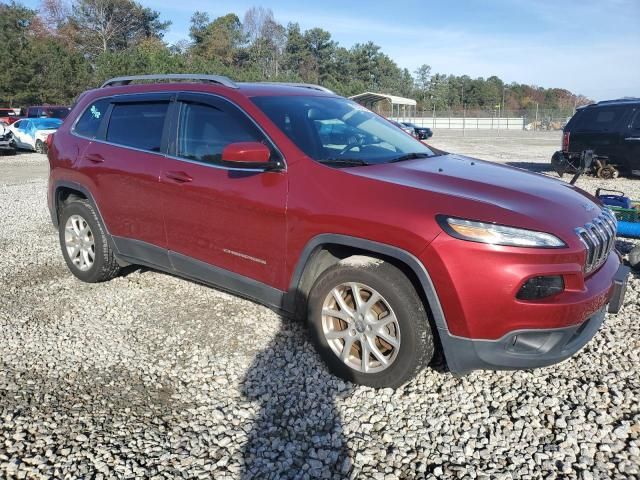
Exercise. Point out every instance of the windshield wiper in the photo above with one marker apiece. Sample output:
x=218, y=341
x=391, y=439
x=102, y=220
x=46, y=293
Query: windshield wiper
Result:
x=347, y=162
x=409, y=156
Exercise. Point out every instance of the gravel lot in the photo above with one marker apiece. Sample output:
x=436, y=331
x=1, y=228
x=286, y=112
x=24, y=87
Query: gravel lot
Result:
x=153, y=376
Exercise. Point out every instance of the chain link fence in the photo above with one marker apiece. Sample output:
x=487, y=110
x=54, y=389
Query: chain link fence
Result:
x=532, y=119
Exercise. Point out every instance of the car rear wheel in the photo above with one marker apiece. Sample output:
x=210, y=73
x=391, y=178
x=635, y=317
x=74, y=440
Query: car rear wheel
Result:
x=369, y=324
x=84, y=244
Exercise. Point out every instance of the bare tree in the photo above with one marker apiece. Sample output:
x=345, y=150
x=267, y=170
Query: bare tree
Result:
x=111, y=25
x=267, y=39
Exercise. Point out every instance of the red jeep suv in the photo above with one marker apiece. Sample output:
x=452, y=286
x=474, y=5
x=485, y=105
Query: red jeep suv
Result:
x=304, y=201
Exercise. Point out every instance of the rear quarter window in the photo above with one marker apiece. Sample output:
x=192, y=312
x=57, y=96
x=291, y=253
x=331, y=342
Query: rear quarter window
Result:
x=89, y=122
x=601, y=119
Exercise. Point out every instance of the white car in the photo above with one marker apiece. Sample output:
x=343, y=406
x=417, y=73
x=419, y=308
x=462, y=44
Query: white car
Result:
x=32, y=133
x=6, y=139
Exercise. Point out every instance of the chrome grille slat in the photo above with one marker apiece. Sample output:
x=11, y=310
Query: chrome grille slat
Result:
x=599, y=238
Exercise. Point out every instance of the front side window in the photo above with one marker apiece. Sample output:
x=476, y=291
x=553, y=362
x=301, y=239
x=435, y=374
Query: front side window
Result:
x=337, y=130
x=90, y=120
x=205, y=130
x=137, y=125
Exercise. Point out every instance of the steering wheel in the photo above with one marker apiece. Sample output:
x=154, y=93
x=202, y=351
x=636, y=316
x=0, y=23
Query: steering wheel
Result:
x=359, y=141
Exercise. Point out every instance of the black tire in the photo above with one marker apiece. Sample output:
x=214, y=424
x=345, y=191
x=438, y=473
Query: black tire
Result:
x=40, y=147
x=634, y=258
x=416, y=337
x=105, y=267
x=559, y=164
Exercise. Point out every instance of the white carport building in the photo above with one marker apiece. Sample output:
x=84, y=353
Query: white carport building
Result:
x=388, y=105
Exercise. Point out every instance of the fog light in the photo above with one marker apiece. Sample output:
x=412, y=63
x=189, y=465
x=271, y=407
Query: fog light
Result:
x=541, y=287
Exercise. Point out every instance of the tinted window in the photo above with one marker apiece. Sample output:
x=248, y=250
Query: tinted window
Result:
x=205, y=130
x=137, y=125
x=635, y=123
x=89, y=122
x=600, y=119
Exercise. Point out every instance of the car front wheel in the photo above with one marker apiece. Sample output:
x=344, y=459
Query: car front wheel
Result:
x=369, y=324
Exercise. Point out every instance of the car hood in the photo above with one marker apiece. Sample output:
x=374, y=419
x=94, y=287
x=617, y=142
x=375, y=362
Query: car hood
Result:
x=490, y=191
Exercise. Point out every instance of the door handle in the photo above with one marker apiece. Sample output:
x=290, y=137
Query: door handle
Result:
x=633, y=139
x=95, y=158
x=179, y=177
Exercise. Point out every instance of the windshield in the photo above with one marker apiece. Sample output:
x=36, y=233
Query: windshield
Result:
x=46, y=123
x=337, y=130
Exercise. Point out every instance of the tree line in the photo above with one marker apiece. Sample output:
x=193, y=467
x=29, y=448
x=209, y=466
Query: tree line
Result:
x=53, y=54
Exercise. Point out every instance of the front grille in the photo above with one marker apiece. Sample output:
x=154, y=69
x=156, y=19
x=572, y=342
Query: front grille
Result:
x=599, y=238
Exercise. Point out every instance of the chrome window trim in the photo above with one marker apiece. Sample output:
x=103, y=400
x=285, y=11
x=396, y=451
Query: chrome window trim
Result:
x=177, y=92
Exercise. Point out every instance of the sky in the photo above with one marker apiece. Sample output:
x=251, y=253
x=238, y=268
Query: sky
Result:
x=591, y=47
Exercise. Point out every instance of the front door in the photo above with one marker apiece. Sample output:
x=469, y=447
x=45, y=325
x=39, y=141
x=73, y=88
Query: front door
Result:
x=221, y=219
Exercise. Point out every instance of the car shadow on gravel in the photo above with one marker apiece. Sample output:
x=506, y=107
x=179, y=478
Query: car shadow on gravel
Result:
x=298, y=431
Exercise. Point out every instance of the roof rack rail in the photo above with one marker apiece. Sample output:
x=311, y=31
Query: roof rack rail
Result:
x=310, y=86
x=620, y=100
x=222, y=80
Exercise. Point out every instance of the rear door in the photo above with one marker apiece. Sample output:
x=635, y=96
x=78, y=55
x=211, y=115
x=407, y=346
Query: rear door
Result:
x=123, y=164
x=631, y=139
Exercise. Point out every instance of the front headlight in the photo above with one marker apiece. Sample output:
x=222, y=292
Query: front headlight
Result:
x=497, y=234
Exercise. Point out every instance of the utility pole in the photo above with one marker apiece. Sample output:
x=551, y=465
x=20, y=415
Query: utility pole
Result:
x=464, y=119
x=464, y=114
x=535, y=125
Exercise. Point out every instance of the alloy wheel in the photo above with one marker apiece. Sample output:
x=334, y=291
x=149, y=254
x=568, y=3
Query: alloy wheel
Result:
x=361, y=327
x=79, y=242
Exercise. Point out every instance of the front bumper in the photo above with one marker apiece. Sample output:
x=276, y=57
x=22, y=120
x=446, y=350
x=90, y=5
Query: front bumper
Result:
x=530, y=348
x=7, y=144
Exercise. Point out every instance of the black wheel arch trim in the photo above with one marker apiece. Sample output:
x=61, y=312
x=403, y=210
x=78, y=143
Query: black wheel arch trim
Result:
x=375, y=247
x=73, y=186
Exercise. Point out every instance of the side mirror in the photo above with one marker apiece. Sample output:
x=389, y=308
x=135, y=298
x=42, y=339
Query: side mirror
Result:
x=247, y=154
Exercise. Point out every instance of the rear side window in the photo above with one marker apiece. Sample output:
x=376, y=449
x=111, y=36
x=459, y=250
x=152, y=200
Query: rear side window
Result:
x=204, y=131
x=602, y=119
x=635, y=123
x=89, y=122
x=137, y=125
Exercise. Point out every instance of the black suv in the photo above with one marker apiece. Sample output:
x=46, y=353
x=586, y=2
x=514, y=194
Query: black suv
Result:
x=422, y=133
x=611, y=129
